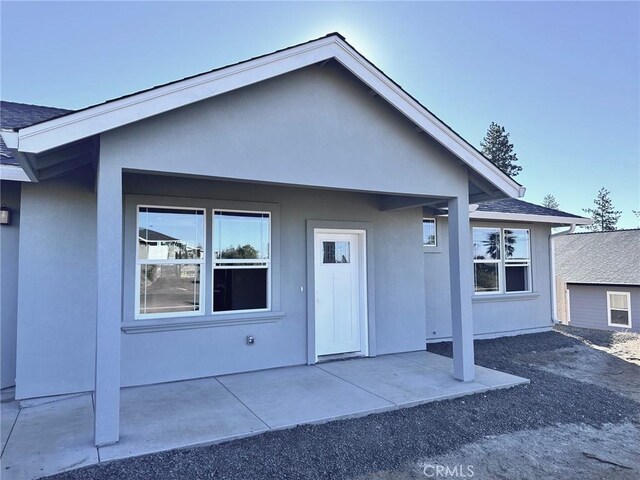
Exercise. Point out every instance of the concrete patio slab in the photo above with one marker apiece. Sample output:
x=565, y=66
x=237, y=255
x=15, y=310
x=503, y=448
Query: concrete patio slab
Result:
x=486, y=376
x=179, y=414
x=285, y=397
x=402, y=382
x=57, y=435
x=50, y=438
x=8, y=414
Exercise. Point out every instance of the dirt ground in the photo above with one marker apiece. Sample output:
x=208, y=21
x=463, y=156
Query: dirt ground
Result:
x=613, y=364
x=550, y=453
x=610, y=360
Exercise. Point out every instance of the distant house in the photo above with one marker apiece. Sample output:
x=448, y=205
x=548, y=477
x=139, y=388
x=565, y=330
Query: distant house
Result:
x=598, y=278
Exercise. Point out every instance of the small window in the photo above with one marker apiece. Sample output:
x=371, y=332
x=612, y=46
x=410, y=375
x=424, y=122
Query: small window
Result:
x=242, y=261
x=487, y=259
x=517, y=260
x=429, y=234
x=170, y=260
x=501, y=260
x=336, y=252
x=619, y=309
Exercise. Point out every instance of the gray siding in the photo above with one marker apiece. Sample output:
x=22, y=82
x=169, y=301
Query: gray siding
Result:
x=588, y=306
x=9, y=234
x=492, y=315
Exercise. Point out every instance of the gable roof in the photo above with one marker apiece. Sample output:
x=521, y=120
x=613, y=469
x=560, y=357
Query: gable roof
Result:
x=46, y=135
x=599, y=257
x=15, y=115
x=514, y=209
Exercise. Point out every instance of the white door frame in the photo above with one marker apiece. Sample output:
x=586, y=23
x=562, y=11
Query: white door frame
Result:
x=362, y=283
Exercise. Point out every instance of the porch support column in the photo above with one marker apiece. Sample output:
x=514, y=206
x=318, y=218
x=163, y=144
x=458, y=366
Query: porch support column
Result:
x=109, y=305
x=461, y=278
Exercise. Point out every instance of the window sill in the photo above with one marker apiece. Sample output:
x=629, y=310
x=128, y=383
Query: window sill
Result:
x=205, y=321
x=435, y=249
x=505, y=297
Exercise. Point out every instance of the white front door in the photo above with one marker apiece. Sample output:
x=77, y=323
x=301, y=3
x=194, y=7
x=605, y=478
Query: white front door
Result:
x=338, y=285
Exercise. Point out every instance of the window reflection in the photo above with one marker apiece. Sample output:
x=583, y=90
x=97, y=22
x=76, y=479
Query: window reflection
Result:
x=168, y=288
x=516, y=244
x=168, y=234
x=240, y=235
x=336, y=252
x=486, y=243
x=429, y=232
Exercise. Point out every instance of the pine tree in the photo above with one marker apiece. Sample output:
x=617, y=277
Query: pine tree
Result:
x=497, y=148
x=549, y=201
x=604, y=216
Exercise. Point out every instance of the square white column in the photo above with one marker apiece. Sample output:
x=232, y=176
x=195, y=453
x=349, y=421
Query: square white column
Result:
x=461, y=275
x=109, y=304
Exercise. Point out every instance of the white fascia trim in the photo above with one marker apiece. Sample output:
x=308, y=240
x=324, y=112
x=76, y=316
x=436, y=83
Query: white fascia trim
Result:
x=13, y=173
x=60, y=131
x=520, y=217
x=56, y=132
x=10, y=139
x=424, y=119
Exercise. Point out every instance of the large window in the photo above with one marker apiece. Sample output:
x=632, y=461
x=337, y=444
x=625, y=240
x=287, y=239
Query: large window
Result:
x=170, y=260
x=502, y=260
x=242, y=261
x=619, y=309
x=429, y=233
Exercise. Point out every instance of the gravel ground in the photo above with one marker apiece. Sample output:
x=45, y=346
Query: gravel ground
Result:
x=393, y=443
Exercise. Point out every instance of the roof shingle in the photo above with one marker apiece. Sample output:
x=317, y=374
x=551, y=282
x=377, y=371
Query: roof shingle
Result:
x=18, y=115
x=599, y=257
x=514, y=205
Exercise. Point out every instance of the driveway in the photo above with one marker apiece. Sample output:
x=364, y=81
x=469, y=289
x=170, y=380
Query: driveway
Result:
x=562, y=425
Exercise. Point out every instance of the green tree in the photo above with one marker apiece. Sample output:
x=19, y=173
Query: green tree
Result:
x=497, y=148
x=604, y=216
x=550, y=201
x=244, y=252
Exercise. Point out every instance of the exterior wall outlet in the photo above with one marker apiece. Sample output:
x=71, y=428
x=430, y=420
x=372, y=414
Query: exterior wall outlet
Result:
x=250, y=340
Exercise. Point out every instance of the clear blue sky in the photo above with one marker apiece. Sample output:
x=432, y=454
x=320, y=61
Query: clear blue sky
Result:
x=563, y=78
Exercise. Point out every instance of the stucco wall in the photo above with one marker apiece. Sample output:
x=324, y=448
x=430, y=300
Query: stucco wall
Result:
x=57, y=314
x=9, y=195
x=496, y=314
x=318, y=126
x=57, y=290
x=588, y=306
x=162, y=356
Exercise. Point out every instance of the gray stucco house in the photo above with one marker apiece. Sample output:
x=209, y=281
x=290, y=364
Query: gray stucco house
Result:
x=287, y=209
x=598, y=278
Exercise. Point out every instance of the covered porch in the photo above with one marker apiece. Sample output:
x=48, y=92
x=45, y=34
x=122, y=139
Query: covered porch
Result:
x=49, y=437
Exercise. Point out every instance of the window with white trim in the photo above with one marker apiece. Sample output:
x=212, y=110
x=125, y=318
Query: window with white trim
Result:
x=170, y=261
x=242, y=261
x=619, y=309
x=429, y=232
x=501, y=260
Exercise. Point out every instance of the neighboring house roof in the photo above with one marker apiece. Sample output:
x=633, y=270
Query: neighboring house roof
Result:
x=148, y=235
x=599, y=257
x=514, y=209
x=15, y=115
x=74, y=126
